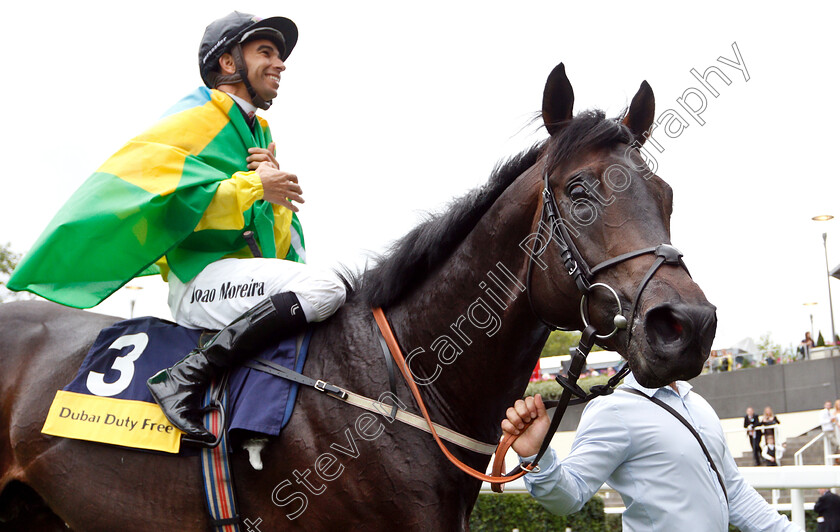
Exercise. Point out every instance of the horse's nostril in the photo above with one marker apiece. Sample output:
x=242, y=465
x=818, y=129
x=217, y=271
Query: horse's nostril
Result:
x=663, y=325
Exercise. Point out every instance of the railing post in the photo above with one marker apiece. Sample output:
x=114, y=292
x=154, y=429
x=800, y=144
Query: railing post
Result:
x=797, y=508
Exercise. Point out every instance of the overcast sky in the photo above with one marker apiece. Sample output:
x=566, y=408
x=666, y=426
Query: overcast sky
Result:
x=389, y=110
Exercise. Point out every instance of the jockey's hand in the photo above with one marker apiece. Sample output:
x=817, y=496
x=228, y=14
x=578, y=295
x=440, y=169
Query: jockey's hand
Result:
x=279, y=187
x=261, y=155
x=523, y=411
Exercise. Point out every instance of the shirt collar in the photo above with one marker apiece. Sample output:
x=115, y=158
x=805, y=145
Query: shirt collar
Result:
x=249, y=108
x=682, y=386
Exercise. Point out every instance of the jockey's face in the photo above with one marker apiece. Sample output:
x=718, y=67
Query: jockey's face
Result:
x=264, y=67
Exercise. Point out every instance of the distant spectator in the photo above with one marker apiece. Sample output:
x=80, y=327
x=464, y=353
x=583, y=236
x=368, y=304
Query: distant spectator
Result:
x=836, y=412
x=805, y=346
x=769, y=418
x=827, y=509
x=751, y=421
x=827, y=422
x=771, y=455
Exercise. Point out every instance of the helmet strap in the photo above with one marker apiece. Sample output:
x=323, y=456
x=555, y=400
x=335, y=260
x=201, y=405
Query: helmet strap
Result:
x=242, y=74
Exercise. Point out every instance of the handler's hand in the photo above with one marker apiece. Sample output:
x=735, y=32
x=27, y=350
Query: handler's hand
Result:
x=530, y=438
x=279, y=187
x=261, y=155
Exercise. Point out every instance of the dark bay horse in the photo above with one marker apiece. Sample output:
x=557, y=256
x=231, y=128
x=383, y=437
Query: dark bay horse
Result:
x=466, y=293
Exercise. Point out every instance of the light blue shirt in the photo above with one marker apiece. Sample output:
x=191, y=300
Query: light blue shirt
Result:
x=656, y=465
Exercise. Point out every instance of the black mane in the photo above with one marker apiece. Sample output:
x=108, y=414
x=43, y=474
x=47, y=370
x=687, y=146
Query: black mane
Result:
x=411, y=259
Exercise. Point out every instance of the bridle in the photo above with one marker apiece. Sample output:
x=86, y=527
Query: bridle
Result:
x=579, y=270
x=583, y=276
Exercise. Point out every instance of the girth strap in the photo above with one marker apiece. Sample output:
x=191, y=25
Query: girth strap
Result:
x=266, y=366
x=391, y=412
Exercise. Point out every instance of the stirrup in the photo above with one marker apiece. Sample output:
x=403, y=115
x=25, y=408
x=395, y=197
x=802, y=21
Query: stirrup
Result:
x=215, y=405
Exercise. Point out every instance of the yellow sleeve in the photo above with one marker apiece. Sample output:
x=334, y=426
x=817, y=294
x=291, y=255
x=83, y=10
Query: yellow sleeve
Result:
x=233, y=197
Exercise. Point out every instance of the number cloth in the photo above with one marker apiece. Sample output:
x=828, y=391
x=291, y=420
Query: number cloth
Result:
x=108, y=400
x=655, y=464
x=177, y=197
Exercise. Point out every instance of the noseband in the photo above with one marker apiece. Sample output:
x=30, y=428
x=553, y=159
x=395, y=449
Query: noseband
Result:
x=577, y=267
x=579, y=270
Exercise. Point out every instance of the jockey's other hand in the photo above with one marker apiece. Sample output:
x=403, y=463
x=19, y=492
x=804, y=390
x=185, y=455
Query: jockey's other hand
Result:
x=279, y=187
x=529, y=410
x=261, y=155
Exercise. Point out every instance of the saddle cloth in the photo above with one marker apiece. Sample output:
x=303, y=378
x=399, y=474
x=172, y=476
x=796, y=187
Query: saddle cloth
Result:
x=108, y=400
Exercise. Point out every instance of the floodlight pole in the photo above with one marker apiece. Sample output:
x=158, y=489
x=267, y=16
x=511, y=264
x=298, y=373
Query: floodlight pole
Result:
x=828, y=280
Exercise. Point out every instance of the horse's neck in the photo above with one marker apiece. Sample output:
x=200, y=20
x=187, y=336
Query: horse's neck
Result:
x=468, y=330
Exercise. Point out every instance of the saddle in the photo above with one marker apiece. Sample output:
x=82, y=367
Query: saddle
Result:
x=108, y=401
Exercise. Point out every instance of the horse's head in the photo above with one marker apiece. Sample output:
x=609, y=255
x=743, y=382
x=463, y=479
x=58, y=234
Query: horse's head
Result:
x=610, y=203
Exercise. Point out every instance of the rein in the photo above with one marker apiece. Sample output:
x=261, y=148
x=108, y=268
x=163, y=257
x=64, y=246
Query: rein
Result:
x=396, y=352
x=583, y=276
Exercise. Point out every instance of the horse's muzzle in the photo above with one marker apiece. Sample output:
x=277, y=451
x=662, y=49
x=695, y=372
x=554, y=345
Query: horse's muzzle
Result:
x=679, y=338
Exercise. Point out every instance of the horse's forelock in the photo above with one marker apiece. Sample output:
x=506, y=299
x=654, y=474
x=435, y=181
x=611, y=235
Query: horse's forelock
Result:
x=588, y=130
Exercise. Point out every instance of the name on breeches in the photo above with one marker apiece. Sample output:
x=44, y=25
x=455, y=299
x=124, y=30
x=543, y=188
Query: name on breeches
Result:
x=110, y=419
x=228, y=291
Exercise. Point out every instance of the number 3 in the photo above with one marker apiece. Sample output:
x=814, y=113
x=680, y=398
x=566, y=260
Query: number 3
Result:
x=124, y=364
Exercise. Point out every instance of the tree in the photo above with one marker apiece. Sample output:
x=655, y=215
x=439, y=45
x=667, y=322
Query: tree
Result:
x=769, y=349
x=8, y=261
x=820, y=340
x=559, y=343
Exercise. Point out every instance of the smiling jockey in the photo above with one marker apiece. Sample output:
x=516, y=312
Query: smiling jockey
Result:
x=253, y=300
x=178, y=200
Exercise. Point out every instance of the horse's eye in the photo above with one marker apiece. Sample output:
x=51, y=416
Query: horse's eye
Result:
x=577, y=191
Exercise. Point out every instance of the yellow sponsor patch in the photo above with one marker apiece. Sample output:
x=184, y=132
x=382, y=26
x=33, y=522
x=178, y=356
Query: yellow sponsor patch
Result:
x=107, y=420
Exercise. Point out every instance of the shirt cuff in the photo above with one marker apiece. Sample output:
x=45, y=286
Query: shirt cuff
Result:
x=545, y=463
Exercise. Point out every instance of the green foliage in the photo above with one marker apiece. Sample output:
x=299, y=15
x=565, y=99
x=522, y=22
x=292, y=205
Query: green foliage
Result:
x=559, y=342
x=8, y=259
x=768, y=348
x=820, y=340
x=503, y=513
x=550, y=390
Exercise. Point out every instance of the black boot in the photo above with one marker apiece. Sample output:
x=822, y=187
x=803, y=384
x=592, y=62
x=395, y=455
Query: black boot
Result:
x=179, y=389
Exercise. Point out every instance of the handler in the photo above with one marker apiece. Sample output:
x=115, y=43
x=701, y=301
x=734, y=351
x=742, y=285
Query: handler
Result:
x=651, y=459
x=177, y=200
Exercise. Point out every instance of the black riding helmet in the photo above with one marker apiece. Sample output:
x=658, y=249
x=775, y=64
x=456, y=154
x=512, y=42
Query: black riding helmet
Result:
x=227, y=34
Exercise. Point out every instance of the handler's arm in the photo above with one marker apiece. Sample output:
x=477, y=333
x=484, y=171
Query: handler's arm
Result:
x=601, y=444
x=747, y=509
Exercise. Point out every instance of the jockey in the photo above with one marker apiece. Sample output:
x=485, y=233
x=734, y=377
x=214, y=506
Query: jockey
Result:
x=252, y=300
x=179, y=200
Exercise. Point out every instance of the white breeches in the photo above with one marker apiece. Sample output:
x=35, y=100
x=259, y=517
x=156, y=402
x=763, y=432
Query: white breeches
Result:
x=227, y=288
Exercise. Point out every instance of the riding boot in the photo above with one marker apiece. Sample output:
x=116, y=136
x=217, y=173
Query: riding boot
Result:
x=179, y=389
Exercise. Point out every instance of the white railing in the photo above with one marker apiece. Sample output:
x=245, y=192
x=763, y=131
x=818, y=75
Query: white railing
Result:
x=795, y=478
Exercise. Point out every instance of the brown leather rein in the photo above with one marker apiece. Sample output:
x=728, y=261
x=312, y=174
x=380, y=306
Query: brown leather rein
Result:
x=498, y=468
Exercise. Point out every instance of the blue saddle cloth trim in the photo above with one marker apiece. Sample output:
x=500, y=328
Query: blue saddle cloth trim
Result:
x=258, y=401
x=250, y=388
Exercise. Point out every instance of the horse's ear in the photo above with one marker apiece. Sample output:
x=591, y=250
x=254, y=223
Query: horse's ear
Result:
x=640, y=116
x=558, y=100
